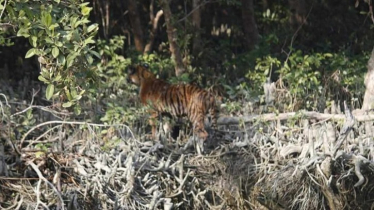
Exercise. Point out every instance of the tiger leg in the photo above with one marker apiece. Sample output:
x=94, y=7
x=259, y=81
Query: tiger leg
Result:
x=213, y=115
x=153, y=122
x=198, y=124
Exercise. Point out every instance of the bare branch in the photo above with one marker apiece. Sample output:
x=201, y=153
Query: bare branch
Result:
x=360, y=117
x=41, y=177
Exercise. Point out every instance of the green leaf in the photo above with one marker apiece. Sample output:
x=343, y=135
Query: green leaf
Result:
x=29, y=114
x=92, y=27
x=72, y=21
x=67, y=92
x=73, y=93
x=84, y=4
x=79, y=22
x=48, y=40
x=86, y=10
x=55, y=52
x=59, y=44
x=49, y=92
x=33, y=41
x=328, y=55
x=89, y=59
x=30, y=53
x=57, y=78
x=40, y=33
x=46, y=18
x=89, y=40
x=70, y=59
x=67, y=104
x=95, y=54
x=77, y=109
x=23, y=32
x=53, y=26
x=41, y=78
x=61, y=59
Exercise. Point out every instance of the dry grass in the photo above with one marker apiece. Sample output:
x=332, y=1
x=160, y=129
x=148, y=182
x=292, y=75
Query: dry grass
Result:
x=292, y=163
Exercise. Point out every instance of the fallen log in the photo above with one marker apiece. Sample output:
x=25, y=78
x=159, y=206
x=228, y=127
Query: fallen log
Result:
x=357, y=114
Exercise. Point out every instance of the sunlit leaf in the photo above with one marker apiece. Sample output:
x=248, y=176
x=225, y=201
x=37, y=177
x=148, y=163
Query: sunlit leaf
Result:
x=89, y=40
x=33, y=41
x=41, y=78
x=57, y=78
x=89, y=59
x=67, y=92
x=86, y=10
x=46, y=18
x=23, y=32
x=49, y=92
x=55, y=52
x=67, y=104
x=329, y=55
x=30, y=53
x=92, y=27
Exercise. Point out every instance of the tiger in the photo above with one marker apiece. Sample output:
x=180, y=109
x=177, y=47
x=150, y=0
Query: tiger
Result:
x=177, y=100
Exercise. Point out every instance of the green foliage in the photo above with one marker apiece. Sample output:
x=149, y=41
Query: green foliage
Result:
x=112, y=89
x=301, y=72
x=61, y=36
x=75, y=65
x=306, y=77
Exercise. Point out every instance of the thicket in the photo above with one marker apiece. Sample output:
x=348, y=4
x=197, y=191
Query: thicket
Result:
x=63, y=91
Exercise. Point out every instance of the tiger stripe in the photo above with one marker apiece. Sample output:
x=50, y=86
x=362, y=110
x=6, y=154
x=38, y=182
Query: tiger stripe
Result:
x=177, y=100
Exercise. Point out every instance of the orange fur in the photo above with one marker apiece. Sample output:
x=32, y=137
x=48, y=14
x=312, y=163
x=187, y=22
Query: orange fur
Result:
x=177, y=100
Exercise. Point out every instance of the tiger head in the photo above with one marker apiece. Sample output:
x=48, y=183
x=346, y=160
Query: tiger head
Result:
x=139, y=73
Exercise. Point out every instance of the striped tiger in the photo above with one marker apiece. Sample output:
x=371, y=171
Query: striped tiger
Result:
x=177, y=100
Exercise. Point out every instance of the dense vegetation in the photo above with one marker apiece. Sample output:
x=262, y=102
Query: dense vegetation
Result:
x=64, y=62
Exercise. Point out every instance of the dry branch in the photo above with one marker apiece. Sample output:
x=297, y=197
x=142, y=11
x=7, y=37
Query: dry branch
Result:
x=348, y=124
x=359, y=116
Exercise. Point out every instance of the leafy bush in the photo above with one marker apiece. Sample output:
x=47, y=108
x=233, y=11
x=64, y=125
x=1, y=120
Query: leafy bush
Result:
x=308, y=77
x=61, y=36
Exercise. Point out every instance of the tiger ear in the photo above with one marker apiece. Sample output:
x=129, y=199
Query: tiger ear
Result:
x=146, y=65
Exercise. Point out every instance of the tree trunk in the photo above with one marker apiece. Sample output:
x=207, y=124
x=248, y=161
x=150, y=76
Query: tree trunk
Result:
x=154, y=20
x=101, y=10
x=196, y=22
x=136, y=25
x=249, y=24
x=369, y=83
x=172, y=37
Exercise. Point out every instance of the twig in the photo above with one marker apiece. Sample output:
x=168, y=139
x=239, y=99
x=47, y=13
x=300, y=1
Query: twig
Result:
x=360, y=117
x=41, y=177
x=43, y=108
x=70, y=123
x=6, y=100
x=4, y=6
x=1, y=104
x=295, y=34
x=358, y=173
x=347, y=127
x=41, y=136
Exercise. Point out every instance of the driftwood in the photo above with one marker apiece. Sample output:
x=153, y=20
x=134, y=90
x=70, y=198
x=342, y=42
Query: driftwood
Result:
x=358, y=115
